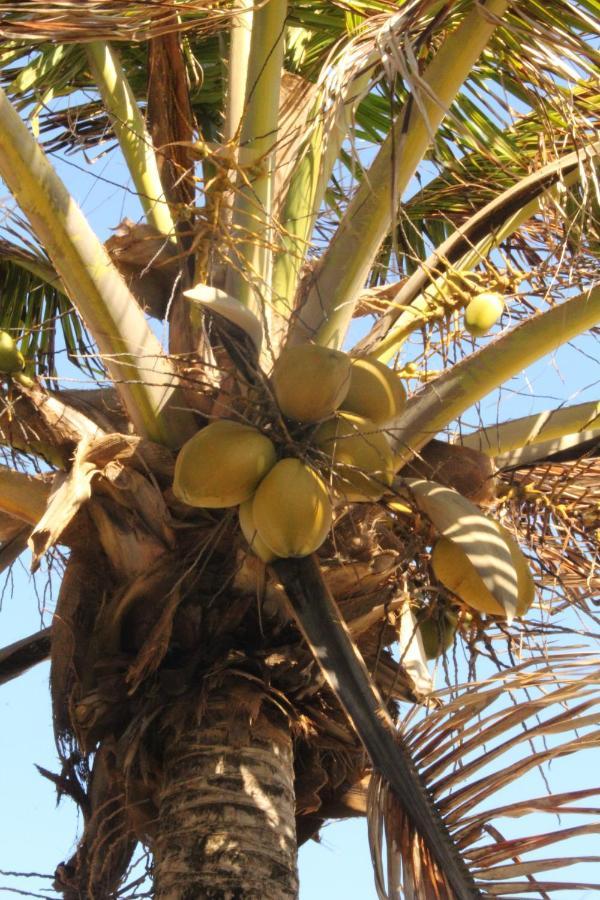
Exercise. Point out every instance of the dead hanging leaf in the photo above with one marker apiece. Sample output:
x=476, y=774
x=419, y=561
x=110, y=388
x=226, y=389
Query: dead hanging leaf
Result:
x=412, y=653
x=152, y=651
x=80, y=597
x=71, y=490
x=459, y=520
x=106, y=846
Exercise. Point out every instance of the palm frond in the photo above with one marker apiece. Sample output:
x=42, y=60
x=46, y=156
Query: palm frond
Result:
x=36, y=310
x=470, y=749
x=22, y=655
x=35, y=20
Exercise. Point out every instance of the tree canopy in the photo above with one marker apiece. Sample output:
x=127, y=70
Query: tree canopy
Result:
x=410, y=184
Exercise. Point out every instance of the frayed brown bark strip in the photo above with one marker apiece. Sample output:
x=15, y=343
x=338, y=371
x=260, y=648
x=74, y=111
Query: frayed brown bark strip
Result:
x=85, y=580
x=226, y=818
x=22, y=655
x=106, y=846
x=170, y=117
x=323, y=627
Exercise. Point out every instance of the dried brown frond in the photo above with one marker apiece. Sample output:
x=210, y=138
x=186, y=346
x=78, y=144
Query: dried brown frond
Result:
x=103, y=20
x=555, y=509
x=466, y=750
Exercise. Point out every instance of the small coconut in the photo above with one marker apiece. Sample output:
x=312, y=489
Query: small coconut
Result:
x=222, y=465
x=310, y=382
x=437, y=633
x=483, y=312
x=11, y=358
x=292, y=510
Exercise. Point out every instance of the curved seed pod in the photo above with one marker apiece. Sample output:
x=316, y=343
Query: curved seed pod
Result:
x=223, y=304
x=476, y=535
x=454, y=569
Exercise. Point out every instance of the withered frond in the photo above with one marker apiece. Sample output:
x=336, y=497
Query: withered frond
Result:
x=555, y=509
x=473, y=747
x=114, y=20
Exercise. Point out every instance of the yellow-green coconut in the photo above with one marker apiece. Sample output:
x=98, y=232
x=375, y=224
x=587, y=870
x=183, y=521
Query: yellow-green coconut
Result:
x=361, y=459
x=257, y=545
x=376, y=391
x=11, y=358
x=222, y=465
x=455, y=570
x=292, y=510
x=437, y=633
x=483, y=312
x=310, y=382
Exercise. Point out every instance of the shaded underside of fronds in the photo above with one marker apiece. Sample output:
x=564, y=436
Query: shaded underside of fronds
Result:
x=555, y=509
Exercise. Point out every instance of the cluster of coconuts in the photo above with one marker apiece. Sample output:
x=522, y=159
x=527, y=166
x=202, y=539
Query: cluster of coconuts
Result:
x=341, y=404
x=11, y=358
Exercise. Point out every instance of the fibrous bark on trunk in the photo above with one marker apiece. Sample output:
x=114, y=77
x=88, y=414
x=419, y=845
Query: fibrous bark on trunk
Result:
x=226, y=812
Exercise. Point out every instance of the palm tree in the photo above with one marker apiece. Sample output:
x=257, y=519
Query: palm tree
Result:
x=303, y=166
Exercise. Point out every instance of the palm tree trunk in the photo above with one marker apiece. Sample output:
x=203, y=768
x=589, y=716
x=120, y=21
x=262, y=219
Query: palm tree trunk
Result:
x=227, y=812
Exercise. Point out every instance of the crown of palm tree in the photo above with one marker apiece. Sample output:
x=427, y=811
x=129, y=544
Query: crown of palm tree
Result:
x=350, y=175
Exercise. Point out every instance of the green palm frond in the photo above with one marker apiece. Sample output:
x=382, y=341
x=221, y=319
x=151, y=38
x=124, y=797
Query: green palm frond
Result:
x=36, y=311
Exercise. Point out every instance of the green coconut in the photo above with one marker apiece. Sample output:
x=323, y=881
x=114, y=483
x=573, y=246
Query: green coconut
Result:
x=11, y=358
x=361, y=459
x=222, y=465
x=250, y=532
x=437, y=633
x=292, y=510
x=310, y=382
x=376, y=391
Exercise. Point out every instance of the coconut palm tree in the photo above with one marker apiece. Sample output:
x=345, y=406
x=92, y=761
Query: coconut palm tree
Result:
x=391, y=179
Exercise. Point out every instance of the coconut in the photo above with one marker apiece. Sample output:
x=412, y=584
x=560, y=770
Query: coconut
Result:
x=291, y=509
x=310, y=381
x=251, y=534
x=360, y=456
x=455, y=570
x=437, y=633
x=376, y=391
x=222, y=465
x=11, y=358
x=482, y=312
